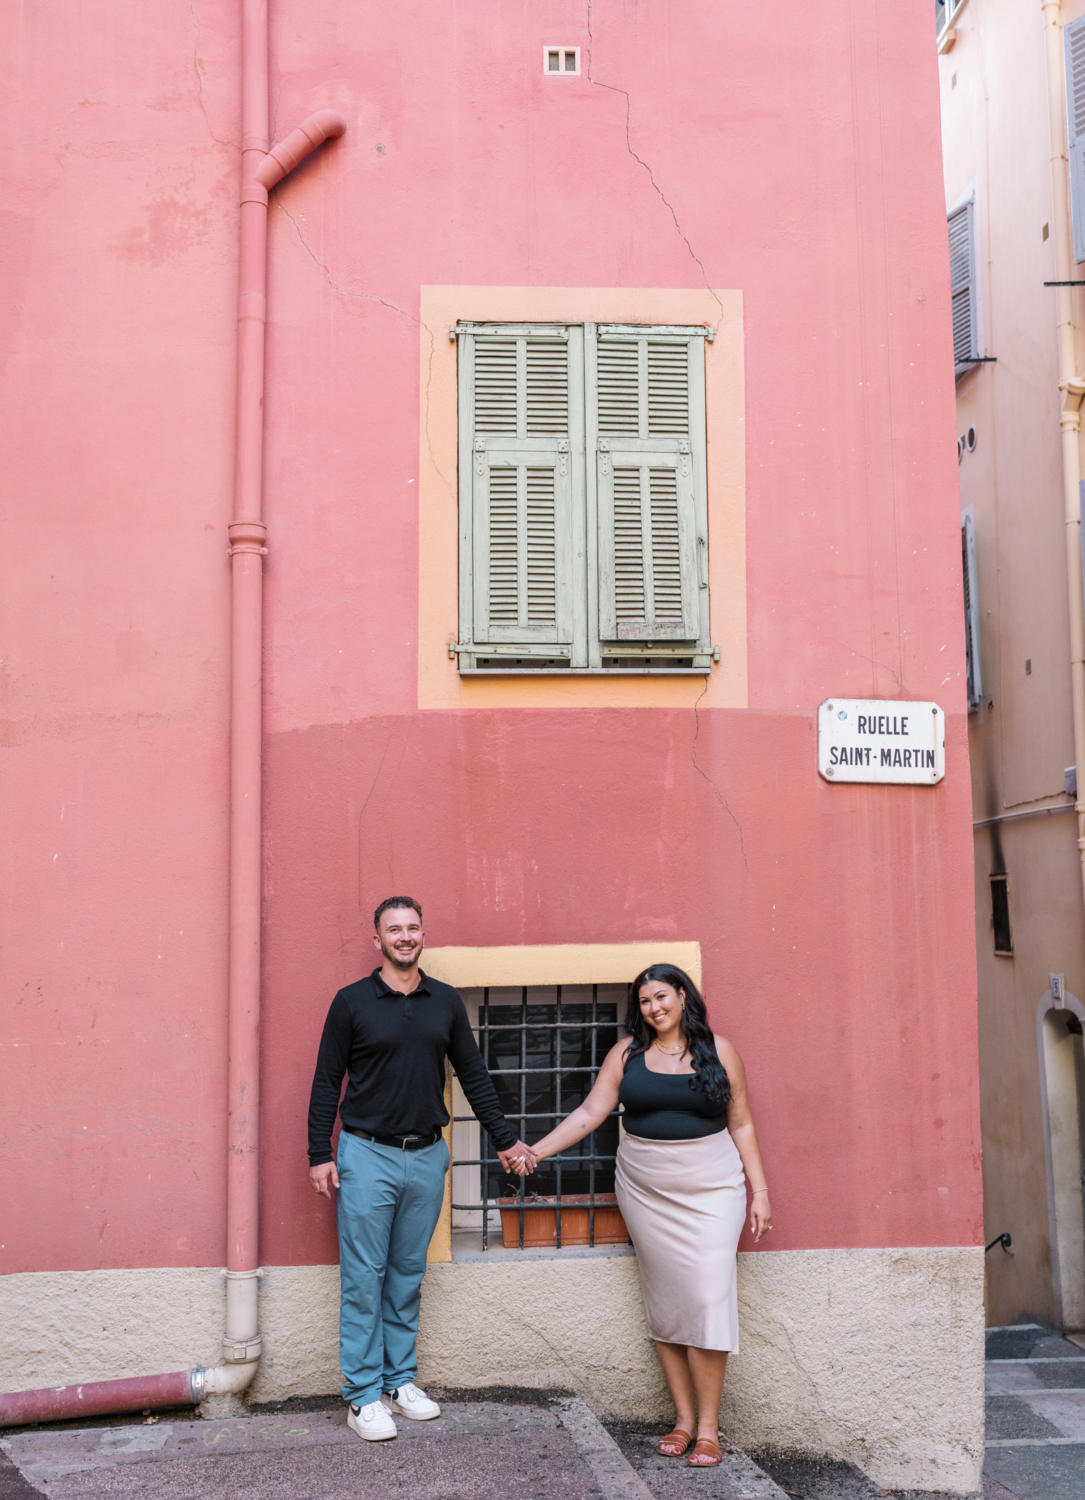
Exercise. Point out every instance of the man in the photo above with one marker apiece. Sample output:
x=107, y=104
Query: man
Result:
x=391, y=1034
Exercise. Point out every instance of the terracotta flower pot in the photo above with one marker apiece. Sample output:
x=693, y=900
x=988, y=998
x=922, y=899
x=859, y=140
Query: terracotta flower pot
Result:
x=541, y=1223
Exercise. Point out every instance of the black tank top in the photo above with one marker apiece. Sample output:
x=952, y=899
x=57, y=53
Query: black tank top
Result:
x=663, y=1107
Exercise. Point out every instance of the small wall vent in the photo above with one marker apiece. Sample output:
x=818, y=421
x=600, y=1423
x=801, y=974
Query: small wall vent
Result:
x=563, y=62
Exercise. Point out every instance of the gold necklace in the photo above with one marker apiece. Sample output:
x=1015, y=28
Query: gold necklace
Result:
x=665, y=1053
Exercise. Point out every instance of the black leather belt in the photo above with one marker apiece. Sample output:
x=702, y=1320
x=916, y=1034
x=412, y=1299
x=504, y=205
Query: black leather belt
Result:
x=400, y=1142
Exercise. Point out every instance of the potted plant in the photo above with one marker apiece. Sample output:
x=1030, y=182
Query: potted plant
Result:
x=541, y=1220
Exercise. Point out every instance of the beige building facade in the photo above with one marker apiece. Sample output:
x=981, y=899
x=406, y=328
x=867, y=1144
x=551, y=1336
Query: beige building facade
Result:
x=1015, y=208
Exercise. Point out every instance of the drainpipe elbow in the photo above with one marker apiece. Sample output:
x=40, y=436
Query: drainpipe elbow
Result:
x=1075, y=393
x=228, y=1380
x=285, y=155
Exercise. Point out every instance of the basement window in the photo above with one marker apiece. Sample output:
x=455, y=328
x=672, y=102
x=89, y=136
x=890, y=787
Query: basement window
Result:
x=1000, y=916
x=543, y=1047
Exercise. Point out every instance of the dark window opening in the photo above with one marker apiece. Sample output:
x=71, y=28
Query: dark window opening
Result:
x=544, y=1057
x=1000, y=914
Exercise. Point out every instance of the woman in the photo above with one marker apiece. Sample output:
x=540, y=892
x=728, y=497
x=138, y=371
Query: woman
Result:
x=680, y=1186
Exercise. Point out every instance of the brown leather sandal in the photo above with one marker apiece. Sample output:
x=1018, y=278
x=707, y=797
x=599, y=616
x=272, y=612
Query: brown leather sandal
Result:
x=706, y=1454
x=675, y=1443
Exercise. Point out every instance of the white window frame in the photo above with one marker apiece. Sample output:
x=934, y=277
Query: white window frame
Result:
x=953, y=7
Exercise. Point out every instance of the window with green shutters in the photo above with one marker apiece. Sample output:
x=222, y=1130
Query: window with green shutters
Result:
x=962, y=282
x=583, y=500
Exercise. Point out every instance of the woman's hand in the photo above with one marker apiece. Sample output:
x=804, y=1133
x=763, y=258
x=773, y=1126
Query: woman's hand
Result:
x=760, y=1215
x=518, y=1159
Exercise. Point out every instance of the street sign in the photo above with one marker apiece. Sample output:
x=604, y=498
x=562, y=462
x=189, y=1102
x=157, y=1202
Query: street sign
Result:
x=867, y=739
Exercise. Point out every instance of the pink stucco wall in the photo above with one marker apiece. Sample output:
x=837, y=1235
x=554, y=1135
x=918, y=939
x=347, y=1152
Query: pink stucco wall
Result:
x=794, y=156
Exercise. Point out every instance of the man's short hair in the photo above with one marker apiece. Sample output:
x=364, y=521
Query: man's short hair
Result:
x=392, y=901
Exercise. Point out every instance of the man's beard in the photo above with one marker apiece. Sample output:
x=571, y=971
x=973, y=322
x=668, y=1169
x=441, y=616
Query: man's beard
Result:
x=398, y=960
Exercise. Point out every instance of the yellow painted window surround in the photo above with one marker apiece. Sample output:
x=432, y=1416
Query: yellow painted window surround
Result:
x=544, y=964
x=440, y=683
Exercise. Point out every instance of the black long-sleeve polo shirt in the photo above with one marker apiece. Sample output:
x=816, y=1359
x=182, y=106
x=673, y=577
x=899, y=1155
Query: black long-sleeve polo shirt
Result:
x=393, y=1048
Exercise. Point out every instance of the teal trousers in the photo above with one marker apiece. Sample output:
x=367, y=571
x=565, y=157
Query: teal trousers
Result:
x=387, y=1208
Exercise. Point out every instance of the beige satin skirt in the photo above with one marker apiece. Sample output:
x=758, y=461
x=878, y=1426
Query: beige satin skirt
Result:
x=685, y=1203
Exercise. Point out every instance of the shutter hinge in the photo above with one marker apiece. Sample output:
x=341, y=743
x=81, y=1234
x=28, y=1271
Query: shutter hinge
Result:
x=480, y=449
x=563, y=453
x=702, y=564
x=683, y=449
x=604, y=454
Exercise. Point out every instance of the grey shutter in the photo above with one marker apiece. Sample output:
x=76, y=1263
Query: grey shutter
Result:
x=962, y=282
x=971, y=612
x=518, y=434
x=1073, y=40
x=647, y=422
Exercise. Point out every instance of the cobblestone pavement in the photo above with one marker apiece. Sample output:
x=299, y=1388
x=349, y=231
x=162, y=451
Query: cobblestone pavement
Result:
x=505, y=1445
x=529, y=1447
x=763, y=1473
x=1035, y=1415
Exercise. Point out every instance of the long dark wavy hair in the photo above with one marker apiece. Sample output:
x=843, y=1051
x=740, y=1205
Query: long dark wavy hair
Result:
x=709, y=1074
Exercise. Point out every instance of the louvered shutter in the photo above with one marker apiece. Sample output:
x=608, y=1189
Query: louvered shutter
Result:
x=518, y=441
x=962, y=282
x=971, y=612
x=1073, y=40
x=646, y=422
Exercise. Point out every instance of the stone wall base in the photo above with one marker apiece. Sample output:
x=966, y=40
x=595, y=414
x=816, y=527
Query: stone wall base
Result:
x=871, y=1356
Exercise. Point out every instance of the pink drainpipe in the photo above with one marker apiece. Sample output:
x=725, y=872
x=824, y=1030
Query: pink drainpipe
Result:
x=261, y=169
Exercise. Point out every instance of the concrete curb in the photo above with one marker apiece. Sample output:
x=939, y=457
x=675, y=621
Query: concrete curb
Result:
x=616, y=1476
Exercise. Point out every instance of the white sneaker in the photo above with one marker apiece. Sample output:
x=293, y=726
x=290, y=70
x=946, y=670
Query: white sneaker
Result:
x=410, y=1402
x=372, y=1422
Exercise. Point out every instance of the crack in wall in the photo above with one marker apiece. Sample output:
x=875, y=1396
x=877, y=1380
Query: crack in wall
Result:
x=803, y=619
x=199, y=78
x=701, y=772
x=342, y=291
x=668, y=205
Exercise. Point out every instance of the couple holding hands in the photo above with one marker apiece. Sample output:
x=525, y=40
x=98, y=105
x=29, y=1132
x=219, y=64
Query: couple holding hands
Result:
x=687, y=1151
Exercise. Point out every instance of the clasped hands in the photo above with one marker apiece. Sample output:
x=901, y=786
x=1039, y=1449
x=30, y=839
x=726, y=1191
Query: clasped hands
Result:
x=518, y=1160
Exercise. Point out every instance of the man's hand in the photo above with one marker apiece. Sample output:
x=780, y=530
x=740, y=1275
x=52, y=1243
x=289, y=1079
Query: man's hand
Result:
x=518, y=1160
x=323, y=1178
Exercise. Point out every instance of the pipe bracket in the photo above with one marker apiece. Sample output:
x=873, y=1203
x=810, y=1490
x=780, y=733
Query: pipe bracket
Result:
x=241, y=1351
x=247, y=536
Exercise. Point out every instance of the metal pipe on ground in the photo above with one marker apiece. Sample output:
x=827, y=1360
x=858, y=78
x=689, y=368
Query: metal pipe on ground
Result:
x=96, y=1398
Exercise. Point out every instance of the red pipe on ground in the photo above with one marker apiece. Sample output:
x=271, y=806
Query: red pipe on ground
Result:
x=62, y=1402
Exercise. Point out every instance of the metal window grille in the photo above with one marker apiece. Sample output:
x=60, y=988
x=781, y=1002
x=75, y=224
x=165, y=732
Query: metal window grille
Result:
x=543, y=1048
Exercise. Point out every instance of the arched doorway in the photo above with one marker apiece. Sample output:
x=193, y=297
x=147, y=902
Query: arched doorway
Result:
x=1062, y=1081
